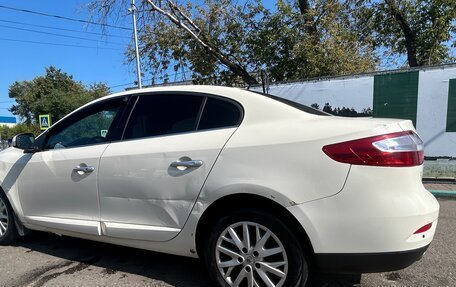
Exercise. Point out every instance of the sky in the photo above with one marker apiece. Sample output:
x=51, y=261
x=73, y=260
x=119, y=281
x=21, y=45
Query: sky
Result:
x=29, y=43
x=86, y=56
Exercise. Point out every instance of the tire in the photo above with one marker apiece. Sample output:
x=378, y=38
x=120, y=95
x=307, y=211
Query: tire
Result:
x=228, y=253
x=8, y=231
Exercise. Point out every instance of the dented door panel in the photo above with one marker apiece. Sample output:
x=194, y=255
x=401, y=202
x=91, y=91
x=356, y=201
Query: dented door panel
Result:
x=138, y=184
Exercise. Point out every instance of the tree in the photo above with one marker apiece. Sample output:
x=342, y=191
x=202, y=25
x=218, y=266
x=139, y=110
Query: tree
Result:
x=183, y=21
x=328, y=109
x=344, y=112
x=7, y=132
x=423, y=30
x=229, y=41
x=310, y=39
x=55, y=93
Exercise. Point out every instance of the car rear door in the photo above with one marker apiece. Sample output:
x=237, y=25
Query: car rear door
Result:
x=150, y=180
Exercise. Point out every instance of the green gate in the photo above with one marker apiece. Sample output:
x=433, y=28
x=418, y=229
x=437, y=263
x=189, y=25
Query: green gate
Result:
x=396, y=95
x=451, y=111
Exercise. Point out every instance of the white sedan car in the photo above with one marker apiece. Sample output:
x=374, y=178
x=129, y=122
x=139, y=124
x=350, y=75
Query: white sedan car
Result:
x=261, y=189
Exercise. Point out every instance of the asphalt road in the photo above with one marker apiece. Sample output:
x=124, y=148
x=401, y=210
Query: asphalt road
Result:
x=49, y=260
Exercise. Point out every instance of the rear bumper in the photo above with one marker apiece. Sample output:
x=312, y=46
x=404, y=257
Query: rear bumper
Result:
x=368, y=262
x=378, y=211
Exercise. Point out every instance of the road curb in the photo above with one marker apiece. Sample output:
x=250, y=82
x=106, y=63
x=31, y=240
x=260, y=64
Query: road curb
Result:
x=444, y=193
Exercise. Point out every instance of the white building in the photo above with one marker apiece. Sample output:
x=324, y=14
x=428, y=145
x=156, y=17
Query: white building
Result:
x=8, y=121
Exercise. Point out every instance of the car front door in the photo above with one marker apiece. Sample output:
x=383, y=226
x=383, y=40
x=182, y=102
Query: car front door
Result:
x=58, y=185
x=150, y=180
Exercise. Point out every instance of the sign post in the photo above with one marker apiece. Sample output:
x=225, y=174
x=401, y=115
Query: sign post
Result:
x=45, y=122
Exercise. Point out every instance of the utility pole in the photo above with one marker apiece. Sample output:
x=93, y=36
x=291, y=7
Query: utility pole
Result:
x=132, y=10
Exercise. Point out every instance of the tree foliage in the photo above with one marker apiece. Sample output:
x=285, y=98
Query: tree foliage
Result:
x=304, y=39
x=230, y=41
x=422, y=30
x=220, y=41
x=344, y=111
x=56, y=93
x=8, y=132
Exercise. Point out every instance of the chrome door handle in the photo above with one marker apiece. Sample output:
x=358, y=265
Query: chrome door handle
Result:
x=187, y=163
x=83, y=168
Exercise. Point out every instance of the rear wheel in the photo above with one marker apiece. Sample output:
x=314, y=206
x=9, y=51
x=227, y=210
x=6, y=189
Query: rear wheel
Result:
x=8, y=231
x=253, y=248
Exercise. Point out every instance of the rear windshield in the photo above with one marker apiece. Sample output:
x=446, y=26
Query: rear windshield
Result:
x=295, y=105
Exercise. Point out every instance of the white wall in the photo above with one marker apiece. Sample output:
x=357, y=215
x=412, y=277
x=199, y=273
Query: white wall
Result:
x=7, y=124
x=354, y=93
x=432, y=112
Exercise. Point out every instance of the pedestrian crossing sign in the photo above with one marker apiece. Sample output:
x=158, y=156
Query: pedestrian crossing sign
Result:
x=45, y=122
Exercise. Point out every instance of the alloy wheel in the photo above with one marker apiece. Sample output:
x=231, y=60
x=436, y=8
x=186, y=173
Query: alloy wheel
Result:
x=3, y=218
x=249, y=254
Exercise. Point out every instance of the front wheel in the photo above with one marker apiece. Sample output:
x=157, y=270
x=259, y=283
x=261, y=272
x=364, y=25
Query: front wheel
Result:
x=8, y=231
x=253, y=248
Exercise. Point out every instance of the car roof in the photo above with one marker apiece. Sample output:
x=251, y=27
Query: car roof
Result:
x=229, y=92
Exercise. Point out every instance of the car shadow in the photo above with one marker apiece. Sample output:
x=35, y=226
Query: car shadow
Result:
x=174, y=270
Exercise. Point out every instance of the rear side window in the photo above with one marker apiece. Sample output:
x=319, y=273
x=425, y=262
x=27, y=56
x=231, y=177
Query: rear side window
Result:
x=157, y=115
x=218, y=114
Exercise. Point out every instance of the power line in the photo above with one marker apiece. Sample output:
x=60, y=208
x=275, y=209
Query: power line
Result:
x=64, y=18
x=127, y=84
x=161, y=77
x=121, y=85
x=59, y=35
x=57, y=44
x=63, y=29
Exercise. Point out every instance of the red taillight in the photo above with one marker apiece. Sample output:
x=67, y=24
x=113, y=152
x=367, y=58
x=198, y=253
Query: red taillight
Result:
x=398, y=149
x=424, y=228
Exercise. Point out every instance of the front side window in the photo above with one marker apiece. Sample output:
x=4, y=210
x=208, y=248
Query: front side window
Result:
x=87, y=127
x=156, y=115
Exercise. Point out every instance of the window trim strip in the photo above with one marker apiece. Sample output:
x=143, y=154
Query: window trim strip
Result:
x=200, y=113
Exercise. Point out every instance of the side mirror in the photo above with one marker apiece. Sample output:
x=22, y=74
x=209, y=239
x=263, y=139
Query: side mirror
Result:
x=25, y=141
